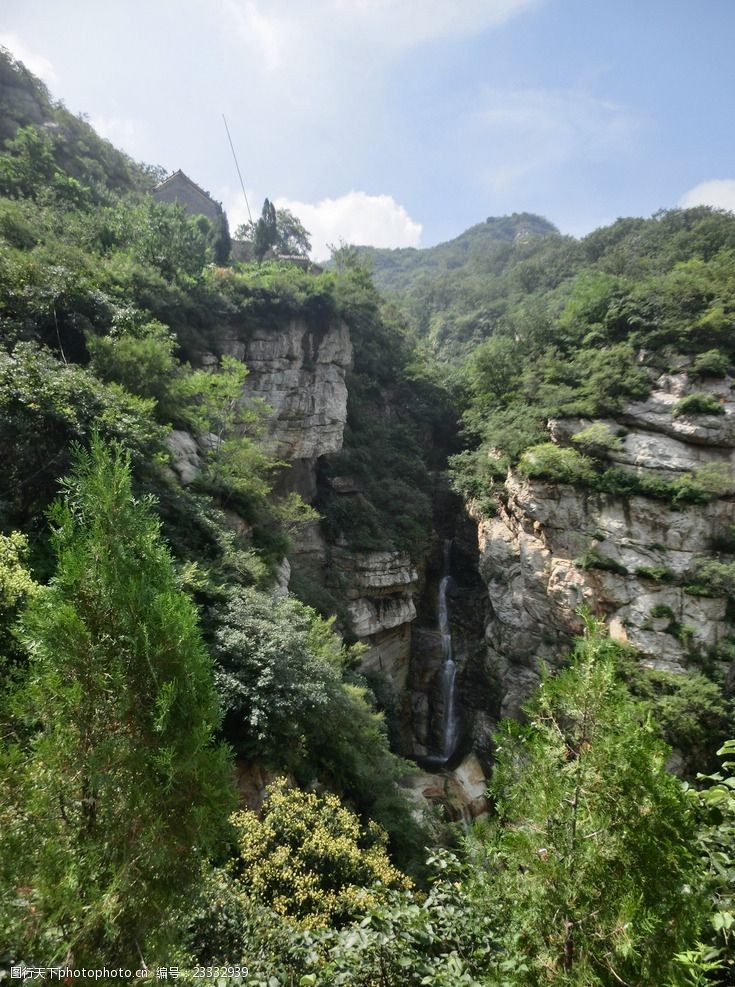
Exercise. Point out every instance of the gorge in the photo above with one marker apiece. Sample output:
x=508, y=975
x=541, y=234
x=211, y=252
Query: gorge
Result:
x=549, y=547
x=305, y=571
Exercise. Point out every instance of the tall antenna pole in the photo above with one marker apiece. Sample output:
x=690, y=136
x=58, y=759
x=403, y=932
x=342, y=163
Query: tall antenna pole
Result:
x=239, y=174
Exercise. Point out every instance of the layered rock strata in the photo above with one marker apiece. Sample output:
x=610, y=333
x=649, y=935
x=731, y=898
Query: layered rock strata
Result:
x=378, y=588
x=553, y=547
x=299, y=373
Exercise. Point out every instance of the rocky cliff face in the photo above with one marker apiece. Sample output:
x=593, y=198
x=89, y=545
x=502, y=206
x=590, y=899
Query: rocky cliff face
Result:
x=378, y=588
x=553, y=547
x=299, y=373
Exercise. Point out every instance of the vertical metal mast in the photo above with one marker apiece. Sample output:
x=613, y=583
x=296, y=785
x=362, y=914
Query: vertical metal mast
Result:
x=239, y=174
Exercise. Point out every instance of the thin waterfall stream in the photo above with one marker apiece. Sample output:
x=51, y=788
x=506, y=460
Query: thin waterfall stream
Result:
x=450, y=721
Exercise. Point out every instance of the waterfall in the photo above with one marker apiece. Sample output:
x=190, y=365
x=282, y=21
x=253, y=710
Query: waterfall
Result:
x=450, y=722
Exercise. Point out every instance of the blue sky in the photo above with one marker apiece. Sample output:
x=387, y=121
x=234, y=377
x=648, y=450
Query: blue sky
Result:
x=402, y=122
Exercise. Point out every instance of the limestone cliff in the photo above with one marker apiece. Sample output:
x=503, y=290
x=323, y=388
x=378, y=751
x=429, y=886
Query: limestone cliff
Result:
x=378, y=588
x=554, y=546
x=376, y=591
x=299, y=372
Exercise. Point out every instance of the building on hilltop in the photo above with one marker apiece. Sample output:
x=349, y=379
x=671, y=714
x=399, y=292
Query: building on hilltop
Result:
x=181, y=189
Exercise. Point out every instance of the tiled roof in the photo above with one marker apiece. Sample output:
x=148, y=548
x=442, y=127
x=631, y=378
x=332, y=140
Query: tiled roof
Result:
x=180, y=174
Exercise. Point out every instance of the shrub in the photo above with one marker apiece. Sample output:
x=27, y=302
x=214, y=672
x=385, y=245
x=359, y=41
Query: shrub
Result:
x=598, y=439
x=440, y=939
x=715, y=478
x=713, y=578
x=552, y=462
x=656, y=573
x=690, y=709
x=140, y=358
x=44, y=406
x=476, y=475
x=593, y=560
x=682, y=632
x=16, y=224
x=308, y=857
x=697, y=404
x=712, y=363
x=17, y=588
x=279, y=664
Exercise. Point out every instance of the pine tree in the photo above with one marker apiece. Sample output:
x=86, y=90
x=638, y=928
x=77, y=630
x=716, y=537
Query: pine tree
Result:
x=123, y=789
x=266, y=231
x=593, y=872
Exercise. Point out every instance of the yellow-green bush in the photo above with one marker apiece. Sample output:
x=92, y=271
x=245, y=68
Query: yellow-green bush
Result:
x=309, y=857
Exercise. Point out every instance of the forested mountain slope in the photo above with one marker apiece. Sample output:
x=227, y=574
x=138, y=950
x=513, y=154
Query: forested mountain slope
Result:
x=514, y=273
x=597, y=381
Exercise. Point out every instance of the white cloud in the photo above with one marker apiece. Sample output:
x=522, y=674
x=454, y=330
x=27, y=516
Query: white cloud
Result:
x=359, y=218
x=234, y=202
x=720, y=193
x=264, y=32
x=281, y=28
x=535, y=130
x=36, y=63
x=318, y=94
x=320, y=56
x=396, y=24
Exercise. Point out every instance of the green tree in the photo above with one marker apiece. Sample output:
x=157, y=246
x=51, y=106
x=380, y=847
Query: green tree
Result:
x=141, y=357
x=44, y=406
x=229, y=427
x=494, y=371
x=593, y=868
x=291, y=237
x=265, y=235
x=221, y=239
x=279, y=666
x=27, y=164
x=16, y=588
x=122, y=789
x=717, y=839
x=170, y=241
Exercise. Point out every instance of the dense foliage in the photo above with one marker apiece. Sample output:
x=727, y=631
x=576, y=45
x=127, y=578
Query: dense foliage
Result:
x=307, y=857
x=596, y=842
x=117, y=779
x=106, y=297
x=544, y=326
x=400, y=425
x=590, y=873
